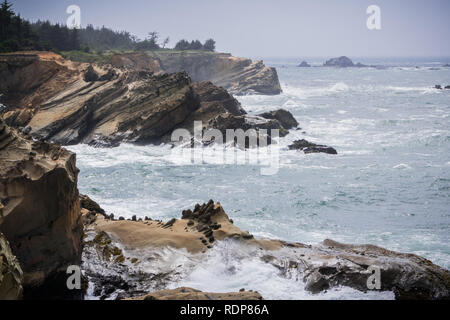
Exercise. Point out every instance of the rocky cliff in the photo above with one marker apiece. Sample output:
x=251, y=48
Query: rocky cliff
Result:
x=124, y=247
x=40, y=211
x=11, y=275
x=238, y=75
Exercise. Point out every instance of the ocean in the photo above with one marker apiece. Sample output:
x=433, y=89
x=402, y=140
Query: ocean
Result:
x=389, y=185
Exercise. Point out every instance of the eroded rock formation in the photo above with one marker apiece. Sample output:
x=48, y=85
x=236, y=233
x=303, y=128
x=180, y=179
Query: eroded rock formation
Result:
x=40, y=210
x=317, y=267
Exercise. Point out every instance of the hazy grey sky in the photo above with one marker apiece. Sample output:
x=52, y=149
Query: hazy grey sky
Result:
x=271, y=28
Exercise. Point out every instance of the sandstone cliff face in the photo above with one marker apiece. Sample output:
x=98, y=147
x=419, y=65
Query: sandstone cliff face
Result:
x=11, y=274
x=238, y=75
x=41, y=211
x=316, y=267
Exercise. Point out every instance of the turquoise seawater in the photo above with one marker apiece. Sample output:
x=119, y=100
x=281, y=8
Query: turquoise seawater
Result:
x=389, y=185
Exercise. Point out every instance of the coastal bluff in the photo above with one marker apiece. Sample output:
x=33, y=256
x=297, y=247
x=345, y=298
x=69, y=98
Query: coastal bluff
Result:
x=239, y=76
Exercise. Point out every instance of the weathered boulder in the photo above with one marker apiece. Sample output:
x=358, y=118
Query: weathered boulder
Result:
x=285, y=118
x=309, y=147
x=41, y=211
x=11, y=275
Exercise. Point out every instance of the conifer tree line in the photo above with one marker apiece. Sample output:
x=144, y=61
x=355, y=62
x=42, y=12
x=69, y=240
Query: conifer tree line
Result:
x=17, y=34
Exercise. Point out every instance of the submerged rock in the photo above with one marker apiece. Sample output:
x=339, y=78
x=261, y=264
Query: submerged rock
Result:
x=309, y=147
x=41, y=211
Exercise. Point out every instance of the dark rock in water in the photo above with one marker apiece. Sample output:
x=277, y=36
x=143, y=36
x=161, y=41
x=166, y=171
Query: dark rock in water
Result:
x=447, y=87
x=90, y=75
x=446, y=65
x=285, y=118
x=309, y=147
x=341, y=62
x=90, y=205
x=304, y=64
x=438, y=86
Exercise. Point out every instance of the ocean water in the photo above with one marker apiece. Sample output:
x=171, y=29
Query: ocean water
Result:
x=389, y=185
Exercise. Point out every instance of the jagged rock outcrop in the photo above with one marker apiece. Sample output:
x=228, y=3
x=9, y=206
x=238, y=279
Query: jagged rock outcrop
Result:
x=319, y=267
x=309, y=147
x=11, y=275
x=40, y=211
x=185, y=293
x=105, y=106
x=238, y=75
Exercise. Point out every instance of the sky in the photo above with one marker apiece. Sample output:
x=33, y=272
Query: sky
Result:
x=271, y=28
